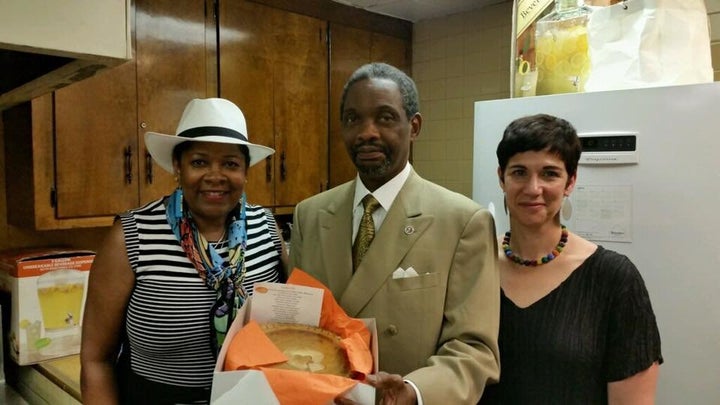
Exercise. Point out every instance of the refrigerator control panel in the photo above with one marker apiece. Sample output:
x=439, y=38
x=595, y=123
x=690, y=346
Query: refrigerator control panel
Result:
x=608, y=148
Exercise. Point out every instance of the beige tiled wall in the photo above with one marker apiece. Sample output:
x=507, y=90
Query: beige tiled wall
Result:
x=715, y=49
x=713, y=9
x=457, y=60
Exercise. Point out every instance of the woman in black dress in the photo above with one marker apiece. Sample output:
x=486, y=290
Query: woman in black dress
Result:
x=576, y=324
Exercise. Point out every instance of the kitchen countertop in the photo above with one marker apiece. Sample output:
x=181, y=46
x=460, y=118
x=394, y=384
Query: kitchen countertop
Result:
x=65, y=372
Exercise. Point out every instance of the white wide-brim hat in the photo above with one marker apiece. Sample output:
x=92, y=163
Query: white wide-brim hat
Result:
x=205, y=120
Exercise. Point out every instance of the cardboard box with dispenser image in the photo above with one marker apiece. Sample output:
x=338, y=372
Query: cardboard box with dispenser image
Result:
x=253, y=369
x=46, y=289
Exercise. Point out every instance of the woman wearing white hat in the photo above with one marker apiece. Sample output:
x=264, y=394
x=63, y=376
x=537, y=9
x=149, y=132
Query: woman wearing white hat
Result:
x=165, y=285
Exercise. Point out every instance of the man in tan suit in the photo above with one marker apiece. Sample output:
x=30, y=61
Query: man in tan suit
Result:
x=429, y=276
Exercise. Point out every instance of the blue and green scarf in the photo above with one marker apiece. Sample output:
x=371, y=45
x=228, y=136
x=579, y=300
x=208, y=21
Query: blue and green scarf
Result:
x=225, y=277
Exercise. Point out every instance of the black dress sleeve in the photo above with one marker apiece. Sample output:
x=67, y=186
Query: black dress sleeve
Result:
x=633, y=342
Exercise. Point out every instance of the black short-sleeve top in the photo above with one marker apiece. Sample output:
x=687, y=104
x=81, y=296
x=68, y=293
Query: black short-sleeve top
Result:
x=596, y=327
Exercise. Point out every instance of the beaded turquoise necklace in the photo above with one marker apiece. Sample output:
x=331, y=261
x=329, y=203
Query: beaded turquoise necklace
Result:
x=537, y=262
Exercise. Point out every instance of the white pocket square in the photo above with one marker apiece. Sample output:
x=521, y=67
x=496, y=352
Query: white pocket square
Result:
x=400, y=273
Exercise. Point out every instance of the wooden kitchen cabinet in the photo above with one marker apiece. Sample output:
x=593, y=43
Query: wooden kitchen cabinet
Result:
x=76, y=157
x=273, y=65
x=81, y=148
x=285, y=63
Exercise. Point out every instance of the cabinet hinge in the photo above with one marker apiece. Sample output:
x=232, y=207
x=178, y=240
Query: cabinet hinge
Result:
x=53, y=197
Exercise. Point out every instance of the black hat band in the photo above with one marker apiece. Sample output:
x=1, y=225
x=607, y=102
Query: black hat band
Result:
x=212, y=131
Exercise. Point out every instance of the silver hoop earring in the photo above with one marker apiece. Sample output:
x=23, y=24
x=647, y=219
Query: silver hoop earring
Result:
x=505, y=204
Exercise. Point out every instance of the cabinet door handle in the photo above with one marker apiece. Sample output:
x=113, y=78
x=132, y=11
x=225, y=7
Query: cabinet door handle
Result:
x=268, y=169
x=128, y=165
x=283, y=169
x=148, y=168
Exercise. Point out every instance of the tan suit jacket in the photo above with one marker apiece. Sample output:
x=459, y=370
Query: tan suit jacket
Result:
x=439, y=329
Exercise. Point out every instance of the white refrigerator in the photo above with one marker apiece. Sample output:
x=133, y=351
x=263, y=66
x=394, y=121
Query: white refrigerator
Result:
x=649, y=187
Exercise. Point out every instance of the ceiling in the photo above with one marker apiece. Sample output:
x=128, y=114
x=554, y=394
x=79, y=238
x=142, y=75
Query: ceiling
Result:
x=416, y=10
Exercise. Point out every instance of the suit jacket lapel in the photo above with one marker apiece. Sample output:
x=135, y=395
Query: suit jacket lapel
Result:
x=402, y=226
x=335, y=235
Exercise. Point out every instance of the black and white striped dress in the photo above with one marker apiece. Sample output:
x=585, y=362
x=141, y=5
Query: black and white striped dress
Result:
x=168, y=314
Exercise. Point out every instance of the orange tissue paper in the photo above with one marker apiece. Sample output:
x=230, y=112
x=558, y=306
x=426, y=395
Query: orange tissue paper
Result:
x=251, y=349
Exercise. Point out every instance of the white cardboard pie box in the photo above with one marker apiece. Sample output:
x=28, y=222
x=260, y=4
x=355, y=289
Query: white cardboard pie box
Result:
x=285, y=302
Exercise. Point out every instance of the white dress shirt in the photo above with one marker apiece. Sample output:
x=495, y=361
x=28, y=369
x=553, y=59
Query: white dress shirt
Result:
x=385, y=195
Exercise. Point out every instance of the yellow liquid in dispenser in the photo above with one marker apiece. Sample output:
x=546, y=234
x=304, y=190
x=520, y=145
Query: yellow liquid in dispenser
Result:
x=562, y=61
x=561, y=49
x=61, y=305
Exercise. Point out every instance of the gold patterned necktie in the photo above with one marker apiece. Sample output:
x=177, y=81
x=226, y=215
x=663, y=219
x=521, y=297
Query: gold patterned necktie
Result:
x=366, y=231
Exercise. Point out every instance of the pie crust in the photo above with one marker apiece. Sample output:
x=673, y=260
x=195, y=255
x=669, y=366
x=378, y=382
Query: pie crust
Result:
x=308, y=348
